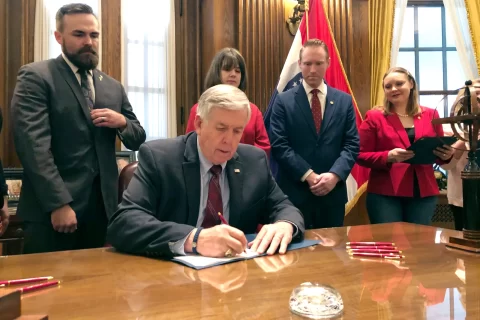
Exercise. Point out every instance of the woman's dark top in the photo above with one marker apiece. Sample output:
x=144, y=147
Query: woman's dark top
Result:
x=416, y=187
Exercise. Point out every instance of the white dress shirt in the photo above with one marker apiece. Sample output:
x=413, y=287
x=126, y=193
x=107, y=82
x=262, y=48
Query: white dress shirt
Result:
x=322, y=94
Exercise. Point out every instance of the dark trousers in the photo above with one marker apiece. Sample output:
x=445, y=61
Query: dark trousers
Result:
x=322, y=212
x=90, y=233
x=383, y=209
x=458, y=216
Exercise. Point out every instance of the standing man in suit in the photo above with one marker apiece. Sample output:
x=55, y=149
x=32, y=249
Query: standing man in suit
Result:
x=183, y=186
x=66, y=116
x=315, y=141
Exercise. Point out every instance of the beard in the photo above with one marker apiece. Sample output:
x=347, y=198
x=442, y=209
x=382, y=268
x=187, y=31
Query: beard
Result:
x=86, y=58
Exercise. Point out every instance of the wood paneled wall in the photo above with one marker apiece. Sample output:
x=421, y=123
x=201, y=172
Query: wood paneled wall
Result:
x=111, y=24
x=18, y=17
x=258, y=29
x=3, y=74
x=264, y=41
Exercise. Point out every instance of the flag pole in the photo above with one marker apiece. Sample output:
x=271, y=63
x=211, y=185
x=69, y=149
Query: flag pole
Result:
x=307, y=8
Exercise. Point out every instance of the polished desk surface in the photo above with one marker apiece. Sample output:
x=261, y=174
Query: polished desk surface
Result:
x=433, y=282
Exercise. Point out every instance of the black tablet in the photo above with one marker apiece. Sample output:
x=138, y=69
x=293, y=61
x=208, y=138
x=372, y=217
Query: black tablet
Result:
x=423, y=149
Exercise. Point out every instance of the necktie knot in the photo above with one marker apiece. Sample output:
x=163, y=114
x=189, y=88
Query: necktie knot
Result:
x=82, y=72
x=315, y=91
x=216, y=170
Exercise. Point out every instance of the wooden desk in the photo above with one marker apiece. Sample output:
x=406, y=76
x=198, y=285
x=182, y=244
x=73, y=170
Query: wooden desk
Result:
x=103, y=284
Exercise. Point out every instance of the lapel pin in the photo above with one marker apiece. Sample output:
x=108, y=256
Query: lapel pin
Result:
x=100, y=77
x=331, y=102
x=236, y=170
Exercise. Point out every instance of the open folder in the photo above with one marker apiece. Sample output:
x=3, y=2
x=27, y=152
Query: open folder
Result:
x=200, y=262
x=423, y=149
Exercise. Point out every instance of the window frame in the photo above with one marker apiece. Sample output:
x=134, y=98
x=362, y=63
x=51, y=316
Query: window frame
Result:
x=416, y=49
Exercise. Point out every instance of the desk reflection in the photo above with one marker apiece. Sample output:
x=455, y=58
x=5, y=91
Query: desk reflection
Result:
x=409, y=288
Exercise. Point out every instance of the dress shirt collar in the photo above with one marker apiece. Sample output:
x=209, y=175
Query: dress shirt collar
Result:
x=72, y=66
x=322, y=87
x=205, y=165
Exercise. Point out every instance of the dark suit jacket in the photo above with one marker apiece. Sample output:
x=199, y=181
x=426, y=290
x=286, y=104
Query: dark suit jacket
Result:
x=380, y=133
x=59, y=147
x=297, y=147
x=162, y=201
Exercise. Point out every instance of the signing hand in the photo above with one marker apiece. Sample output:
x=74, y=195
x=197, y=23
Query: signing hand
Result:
x=399, y=155
x=216, y=241
x=273, y=236
x=4, y=217
x=108, y=118
x=325, y=183
x=64, y=219
x=444, y=153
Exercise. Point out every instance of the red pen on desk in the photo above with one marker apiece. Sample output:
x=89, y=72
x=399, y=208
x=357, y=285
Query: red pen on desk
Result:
x=377, y=255
x=222, y=219
x=375, y=251
x=372, y=247
x=23, y=281
x=38, y=286
x=371, y=243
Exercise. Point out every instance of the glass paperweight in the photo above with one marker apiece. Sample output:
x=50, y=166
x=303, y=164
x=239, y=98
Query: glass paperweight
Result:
x=316, y=301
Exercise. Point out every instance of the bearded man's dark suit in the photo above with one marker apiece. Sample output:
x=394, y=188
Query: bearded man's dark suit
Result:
x=66, y=158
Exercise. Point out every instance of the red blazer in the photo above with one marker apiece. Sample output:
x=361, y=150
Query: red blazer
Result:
x=380, y=133
x=254, y=134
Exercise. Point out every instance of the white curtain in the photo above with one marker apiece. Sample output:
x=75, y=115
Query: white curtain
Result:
x=456, y=14
x=149, y=64
x=45, y=45
x=400, y=7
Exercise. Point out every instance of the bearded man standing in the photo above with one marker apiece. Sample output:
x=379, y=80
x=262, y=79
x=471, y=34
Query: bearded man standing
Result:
x=66, y=115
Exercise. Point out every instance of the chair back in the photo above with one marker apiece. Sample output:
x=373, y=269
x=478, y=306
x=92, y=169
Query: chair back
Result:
x=124, y=179
x=11, y=242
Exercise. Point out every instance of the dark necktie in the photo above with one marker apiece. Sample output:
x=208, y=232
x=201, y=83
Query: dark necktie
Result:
x=214, y=200
x=316, y=110
x=86, y=88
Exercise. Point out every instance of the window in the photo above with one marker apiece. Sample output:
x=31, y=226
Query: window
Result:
x=427, y=50
x=146, y=63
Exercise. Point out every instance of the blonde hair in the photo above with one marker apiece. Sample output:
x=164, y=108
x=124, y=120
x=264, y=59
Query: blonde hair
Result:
x=413, y=106
x=222, y=96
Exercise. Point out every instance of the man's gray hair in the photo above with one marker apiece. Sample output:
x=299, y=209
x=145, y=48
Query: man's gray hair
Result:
x=222, y=96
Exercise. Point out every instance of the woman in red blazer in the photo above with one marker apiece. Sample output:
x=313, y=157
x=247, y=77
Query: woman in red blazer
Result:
x=398, y=191
x=228, y=67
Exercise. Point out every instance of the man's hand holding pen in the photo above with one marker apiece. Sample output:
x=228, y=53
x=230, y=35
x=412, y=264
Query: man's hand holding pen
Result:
x=216, y=241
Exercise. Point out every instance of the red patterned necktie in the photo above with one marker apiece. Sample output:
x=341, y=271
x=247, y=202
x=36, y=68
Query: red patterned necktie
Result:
x=316, y=109
x=214, y=200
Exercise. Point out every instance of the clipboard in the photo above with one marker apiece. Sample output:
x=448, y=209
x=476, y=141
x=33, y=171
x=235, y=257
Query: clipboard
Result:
x=423, y=149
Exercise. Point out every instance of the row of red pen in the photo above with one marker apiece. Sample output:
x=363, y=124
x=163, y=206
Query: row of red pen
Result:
x=33, y=287
x=384, y=250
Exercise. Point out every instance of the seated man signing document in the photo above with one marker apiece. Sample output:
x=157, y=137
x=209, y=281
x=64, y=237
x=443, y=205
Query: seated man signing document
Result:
x=185, y=190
